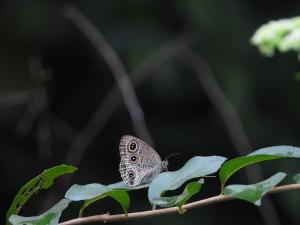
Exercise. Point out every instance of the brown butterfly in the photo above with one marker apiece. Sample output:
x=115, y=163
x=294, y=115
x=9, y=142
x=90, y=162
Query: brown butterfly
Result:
x=140, y=163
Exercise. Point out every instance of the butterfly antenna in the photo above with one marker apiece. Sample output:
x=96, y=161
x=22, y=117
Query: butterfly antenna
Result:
x=171, y=155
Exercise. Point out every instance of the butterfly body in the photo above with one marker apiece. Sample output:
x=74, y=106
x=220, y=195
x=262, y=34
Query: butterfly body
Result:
x=140, y=163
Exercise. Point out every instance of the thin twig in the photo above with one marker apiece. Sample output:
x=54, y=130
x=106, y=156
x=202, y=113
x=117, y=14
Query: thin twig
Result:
x=171, y=48
x=14, y=98
x=220, y=101
x=37, y=110
x=233, y=124
x=158, y=212
x=117, y=68
x=111, y=101
x=24, y=97
x=113, y=98
x=40, y=76
x=39, y=101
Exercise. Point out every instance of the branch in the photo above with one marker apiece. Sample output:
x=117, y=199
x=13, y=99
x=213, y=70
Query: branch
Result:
x=220, y=101
x=232, y=122
x=112, y=99
x=39, y=101
x=158, y=212
x=40, y=107
x=223, y=105
x=15, y=98
x=117, y=68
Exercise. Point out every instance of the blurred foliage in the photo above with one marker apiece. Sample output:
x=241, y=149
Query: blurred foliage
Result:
x=283, y=35
x=178, y=113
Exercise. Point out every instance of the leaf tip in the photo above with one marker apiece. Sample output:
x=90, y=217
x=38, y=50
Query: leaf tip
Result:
x=258, y=202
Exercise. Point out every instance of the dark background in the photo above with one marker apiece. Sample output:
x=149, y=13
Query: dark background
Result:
x=42, y=111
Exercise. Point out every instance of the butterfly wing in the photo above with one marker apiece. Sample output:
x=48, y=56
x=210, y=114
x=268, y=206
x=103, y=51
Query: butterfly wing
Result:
x=124, y=142
x=140, y=163
x=129, y=173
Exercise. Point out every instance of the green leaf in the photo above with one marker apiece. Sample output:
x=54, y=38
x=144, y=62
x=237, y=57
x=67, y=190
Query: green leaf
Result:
x=264, y=154
x=179, y=200
x=40, y=182
x=51, y=217
x=84, y=192
x=232, y=166
x=254, y=192
x=296, y=178
x=120, y=196
x=196, y=167
x=281, y=150
x=94, y=192
x=190, y=190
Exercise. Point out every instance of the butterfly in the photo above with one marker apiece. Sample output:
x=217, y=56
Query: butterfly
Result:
x=140, y=163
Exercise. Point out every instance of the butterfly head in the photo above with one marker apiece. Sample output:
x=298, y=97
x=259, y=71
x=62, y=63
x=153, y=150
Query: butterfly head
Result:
x=164, y=165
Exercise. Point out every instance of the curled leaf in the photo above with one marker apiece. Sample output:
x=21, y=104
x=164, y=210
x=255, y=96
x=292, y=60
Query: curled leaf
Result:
x=91, y=193
x=120, y=196
x=196, y=167
x=232, y=166
x=50, y=217
x=281, y=150
x=179, y=200
x=254, y=192
x=40, y=182
x=276, y=152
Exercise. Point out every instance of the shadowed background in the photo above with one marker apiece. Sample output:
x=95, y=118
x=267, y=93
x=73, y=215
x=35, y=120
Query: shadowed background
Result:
x=53, y=81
